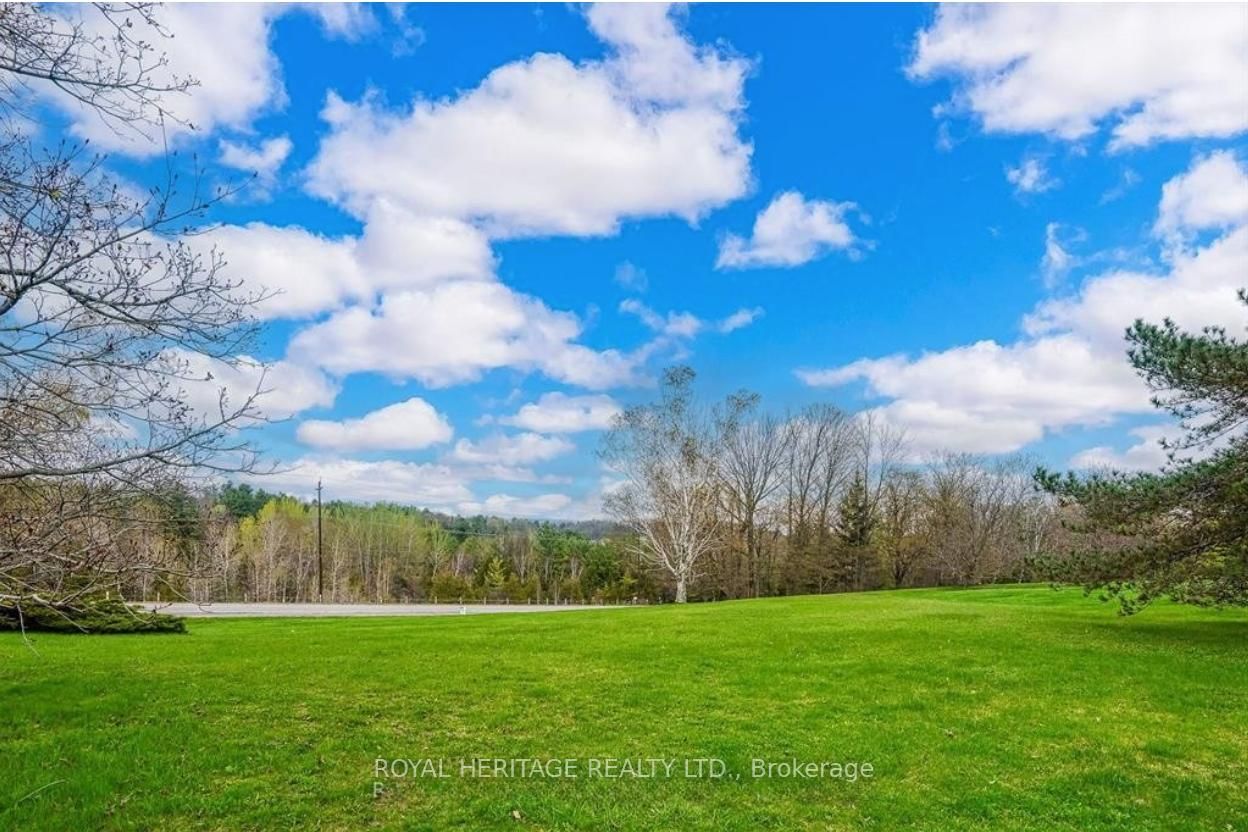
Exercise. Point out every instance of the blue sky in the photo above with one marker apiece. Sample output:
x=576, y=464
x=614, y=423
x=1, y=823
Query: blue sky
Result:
x=492, y=225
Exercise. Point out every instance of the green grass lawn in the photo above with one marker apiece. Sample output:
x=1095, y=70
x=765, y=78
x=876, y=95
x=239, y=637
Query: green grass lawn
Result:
x=1018, y=708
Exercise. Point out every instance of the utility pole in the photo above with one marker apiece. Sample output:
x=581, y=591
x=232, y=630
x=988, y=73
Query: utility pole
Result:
x=320, y=559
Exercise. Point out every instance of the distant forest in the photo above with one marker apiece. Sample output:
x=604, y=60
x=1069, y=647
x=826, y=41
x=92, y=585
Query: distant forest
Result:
x=241, y=543
x=246, y=544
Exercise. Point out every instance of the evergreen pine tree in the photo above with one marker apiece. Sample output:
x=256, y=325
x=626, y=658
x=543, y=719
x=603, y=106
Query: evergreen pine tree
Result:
x=1181, y=533
x=856, y=519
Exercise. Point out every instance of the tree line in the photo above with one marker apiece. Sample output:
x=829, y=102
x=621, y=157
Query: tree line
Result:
x=722, y=501
x=731, y=501
x=813, y=502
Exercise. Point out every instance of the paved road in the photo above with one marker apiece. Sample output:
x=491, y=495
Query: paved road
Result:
x=233, y=610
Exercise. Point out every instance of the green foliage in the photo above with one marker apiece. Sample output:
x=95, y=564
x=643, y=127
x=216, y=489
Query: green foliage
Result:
x=854, y=557
x=180, y=514
x=95, y=615
x=495, y=577
x=1201, y=379
x=623, y=590
x=447, y=587
x=602, y=566
x=516, y=590
x=1182, y=533
x=242, y=500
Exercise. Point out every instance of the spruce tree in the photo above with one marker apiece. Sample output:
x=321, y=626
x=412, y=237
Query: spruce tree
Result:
x=856, y=521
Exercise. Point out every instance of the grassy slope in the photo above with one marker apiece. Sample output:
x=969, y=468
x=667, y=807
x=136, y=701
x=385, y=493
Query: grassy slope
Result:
x=1015, y=708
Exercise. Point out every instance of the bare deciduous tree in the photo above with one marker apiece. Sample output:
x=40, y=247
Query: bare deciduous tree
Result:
x=879, y=450
x=978, y=513
x=755, y=448
x=106, y=316
x=819, y=461
x=902, y=541
x=668, y=456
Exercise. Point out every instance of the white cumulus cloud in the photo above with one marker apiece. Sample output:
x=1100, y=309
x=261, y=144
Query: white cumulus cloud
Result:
x=392, y=481
x=1147, y=454
x=1150, y=71
x=508, y=505
x=404, y=426
x=520, y=449
x=454, y=332
x=301, y=273
x=560, y=413
x=1213, y=194
x=434, y=486
x=263, y=159
x=547, y=145
x=789, y=232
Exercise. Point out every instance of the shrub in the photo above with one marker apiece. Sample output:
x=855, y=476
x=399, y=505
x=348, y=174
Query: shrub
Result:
x=96, y=615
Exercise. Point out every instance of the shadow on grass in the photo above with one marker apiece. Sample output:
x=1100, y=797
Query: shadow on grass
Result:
x=1230, y=635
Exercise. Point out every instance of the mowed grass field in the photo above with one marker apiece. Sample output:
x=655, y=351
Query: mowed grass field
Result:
x=1005, y=708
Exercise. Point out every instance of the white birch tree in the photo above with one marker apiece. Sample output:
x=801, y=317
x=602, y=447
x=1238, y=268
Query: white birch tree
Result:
x=667, y=455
